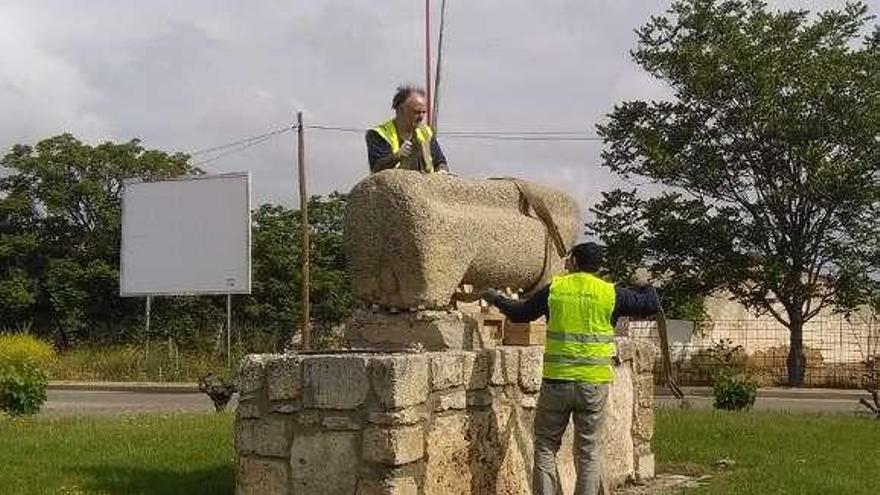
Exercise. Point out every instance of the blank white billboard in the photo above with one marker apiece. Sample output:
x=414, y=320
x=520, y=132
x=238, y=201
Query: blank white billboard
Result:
x=186, y=236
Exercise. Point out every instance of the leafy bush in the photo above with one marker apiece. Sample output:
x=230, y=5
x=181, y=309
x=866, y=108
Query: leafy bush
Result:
x=22, y=390
x=733, y=388
x=733, y=391
x=24, y=360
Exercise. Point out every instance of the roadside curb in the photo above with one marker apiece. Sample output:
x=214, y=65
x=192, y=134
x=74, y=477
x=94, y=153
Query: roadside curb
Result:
x=143, y=387
x=775, y=393
x=660, y=391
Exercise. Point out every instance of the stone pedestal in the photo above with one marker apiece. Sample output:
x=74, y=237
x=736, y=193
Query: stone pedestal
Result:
x=431, y=423
x=430, y=330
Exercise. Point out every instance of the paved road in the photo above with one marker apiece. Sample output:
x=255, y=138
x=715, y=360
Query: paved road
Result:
x=63, y=402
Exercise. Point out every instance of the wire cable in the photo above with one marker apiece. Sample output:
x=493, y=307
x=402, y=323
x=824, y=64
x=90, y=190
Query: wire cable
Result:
x=245, y=145
x=240, y=145
x=243, y=141
x=556, y=136
x=495, y=137
x=520, y=133
x=335, y=128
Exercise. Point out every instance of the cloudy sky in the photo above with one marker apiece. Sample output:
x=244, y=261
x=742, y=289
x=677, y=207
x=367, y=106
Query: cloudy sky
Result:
x=188, y=75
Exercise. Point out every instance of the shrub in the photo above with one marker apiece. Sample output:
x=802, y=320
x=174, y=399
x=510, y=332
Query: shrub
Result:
x=22, y=390
x=22, y=348
x=23, y=377
x=733, y=391
x=732, y=388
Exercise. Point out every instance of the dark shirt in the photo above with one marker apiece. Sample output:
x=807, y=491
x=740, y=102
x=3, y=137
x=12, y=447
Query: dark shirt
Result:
x=377, y=148
x=627, y=302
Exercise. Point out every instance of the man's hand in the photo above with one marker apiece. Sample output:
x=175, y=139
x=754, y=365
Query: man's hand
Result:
x=405, y=150
x=492, y=296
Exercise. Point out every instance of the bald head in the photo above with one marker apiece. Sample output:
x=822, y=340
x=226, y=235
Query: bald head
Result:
x=410, y=106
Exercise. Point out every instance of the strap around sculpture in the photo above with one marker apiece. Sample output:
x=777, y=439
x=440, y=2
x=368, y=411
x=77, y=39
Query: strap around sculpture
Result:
x=532, y=199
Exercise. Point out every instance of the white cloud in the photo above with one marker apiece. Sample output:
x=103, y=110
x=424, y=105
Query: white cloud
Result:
x=194, y=74
x=40, y=92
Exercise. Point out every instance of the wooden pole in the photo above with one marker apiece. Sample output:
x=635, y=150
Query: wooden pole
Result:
x=304, y=222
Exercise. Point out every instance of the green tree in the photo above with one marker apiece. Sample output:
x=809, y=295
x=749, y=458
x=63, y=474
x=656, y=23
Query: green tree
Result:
x=19, y=244
x=59, y=250
x=330, y=292
x=768, y=158
x=274, y=306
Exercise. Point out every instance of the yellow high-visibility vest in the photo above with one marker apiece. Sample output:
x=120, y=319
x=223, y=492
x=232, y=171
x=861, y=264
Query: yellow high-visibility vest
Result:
x=580, y=337
x=388, y=131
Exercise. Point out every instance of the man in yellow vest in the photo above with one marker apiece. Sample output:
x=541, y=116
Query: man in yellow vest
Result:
x=405, y=141
x=581, y=311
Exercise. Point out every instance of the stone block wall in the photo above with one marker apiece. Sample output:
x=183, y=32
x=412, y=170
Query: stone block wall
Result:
x=419, y=423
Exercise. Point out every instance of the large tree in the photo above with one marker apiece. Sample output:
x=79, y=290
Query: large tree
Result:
x=766, y=157
x=59, y=245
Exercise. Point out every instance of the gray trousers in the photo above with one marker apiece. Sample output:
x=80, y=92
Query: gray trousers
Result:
x=557, y=403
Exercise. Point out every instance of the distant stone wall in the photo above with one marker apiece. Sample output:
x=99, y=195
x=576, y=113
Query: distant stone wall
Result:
x=412, y=239
x=453, y=422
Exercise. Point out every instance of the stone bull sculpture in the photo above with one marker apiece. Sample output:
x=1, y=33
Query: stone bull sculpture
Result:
x=412, y=239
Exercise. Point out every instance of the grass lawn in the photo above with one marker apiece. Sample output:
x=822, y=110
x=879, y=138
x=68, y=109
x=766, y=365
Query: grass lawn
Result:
x=774, y=453
x=169, y=453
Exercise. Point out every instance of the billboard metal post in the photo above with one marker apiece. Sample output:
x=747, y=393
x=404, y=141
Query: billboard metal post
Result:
x=147, y=317
x=229, y=331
